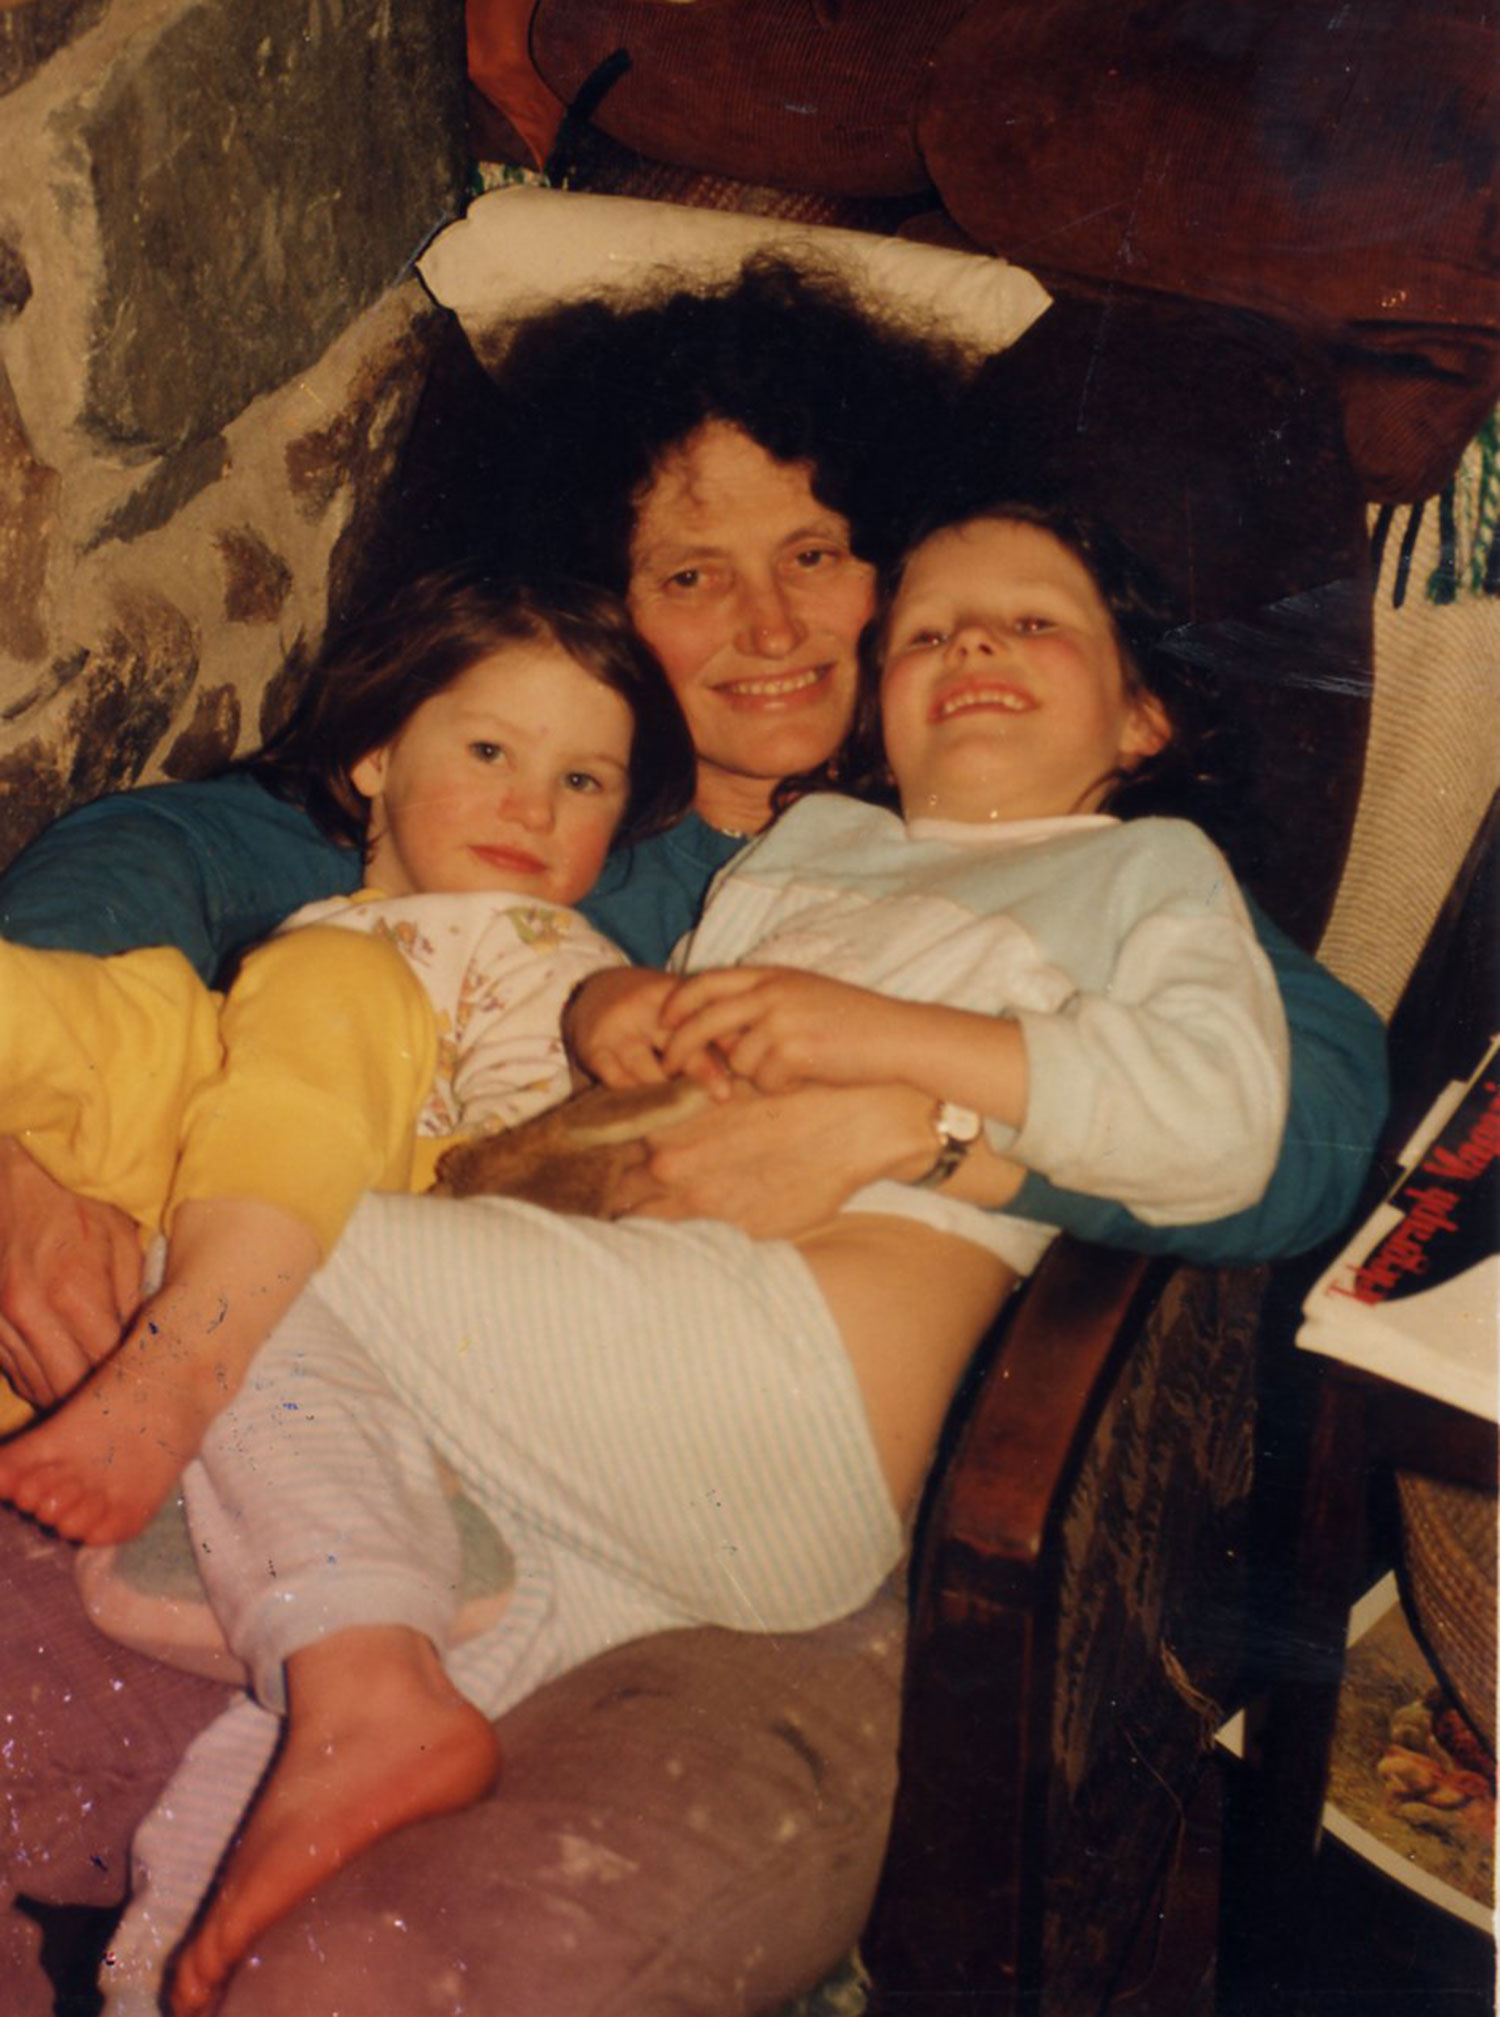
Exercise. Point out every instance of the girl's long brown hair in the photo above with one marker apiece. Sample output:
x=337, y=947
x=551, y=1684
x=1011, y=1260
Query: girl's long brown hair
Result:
x=381, y=668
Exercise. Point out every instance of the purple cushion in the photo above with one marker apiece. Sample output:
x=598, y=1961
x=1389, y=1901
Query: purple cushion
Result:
x=693, y=1823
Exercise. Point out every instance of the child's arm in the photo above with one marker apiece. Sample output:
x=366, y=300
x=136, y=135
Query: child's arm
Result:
x=782, y=1028
x=1166, y=1090
x=99, y=1468
x=613, y=1026
x=771, y=1164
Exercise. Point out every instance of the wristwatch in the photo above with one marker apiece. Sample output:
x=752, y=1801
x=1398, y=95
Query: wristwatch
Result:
x=958, y=1129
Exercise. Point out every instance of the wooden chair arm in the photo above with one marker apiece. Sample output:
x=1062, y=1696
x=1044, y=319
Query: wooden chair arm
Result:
x=1035, y=1404
x=962, y=1873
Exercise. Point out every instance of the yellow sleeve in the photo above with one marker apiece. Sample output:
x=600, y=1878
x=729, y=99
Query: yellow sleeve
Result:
x=427, y=1151
x=330, y=1045
x=98, y=1061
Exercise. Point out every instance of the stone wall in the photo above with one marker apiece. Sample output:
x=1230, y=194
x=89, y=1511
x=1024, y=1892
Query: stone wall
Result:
x=211, y=347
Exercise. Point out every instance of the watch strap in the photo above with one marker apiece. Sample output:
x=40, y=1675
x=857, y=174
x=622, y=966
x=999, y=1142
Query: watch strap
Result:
x=957, y=1131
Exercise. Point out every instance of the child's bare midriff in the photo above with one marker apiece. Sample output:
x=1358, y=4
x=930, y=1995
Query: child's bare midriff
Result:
x=911, y=1305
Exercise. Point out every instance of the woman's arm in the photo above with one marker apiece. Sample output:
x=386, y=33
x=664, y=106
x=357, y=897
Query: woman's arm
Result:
x=209, y=868
x=777, y=1165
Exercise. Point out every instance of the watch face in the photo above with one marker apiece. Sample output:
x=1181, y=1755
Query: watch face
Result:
x=958, y=1124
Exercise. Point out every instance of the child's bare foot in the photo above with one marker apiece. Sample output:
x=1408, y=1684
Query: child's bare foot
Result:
x=377, y=1737
x=98, y=1468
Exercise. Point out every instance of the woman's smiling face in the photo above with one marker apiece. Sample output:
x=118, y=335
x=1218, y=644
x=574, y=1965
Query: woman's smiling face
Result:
x=748, y=590
x=1003, y=693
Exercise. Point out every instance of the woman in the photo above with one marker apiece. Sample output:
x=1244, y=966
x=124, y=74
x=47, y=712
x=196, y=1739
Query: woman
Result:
x=739, y=460
x=748, y=458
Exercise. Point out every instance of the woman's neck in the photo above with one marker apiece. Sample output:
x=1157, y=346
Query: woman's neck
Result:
x=733, y=805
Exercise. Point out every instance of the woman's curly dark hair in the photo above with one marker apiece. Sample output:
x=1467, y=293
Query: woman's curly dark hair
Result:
x=380, y=667
x=1204, y=770
x=591, y=395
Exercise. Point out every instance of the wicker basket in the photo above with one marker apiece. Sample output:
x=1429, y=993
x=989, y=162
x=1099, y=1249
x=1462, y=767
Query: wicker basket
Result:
x=1449, y=1538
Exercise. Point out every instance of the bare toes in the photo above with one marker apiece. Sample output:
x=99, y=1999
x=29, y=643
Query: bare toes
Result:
x=47, y=1492
x=209, y=1959
x=191, y=1989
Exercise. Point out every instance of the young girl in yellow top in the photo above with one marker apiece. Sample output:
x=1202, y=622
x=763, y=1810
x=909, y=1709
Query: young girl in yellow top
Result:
x=485, y=744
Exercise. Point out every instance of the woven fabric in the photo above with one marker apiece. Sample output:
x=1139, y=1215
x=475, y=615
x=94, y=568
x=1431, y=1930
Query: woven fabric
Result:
x=1433, y=760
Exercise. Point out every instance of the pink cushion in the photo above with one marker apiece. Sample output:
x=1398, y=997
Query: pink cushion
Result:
x=693, y=1823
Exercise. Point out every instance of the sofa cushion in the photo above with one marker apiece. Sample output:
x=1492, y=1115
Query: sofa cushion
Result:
x=502, y=74
x=1331, y=167
x=690, y=1824
x=804, y=93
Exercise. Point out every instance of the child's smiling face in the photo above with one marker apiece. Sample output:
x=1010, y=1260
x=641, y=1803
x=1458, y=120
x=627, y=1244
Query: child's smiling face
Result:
x=514, y=777
x=1003, y=694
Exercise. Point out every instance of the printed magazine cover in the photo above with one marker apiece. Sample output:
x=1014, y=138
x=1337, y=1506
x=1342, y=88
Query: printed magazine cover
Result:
x=1415, y=1295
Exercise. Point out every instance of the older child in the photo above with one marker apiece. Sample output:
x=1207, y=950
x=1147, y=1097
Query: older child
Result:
x=672, y=1423
x=484, y=744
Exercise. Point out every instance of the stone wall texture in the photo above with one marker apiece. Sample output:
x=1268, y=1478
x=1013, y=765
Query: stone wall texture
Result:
x=211, y=347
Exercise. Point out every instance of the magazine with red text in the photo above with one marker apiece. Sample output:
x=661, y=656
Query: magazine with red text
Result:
x=1415, y=1295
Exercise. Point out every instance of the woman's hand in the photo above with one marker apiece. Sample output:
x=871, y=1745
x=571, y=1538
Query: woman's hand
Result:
x=70, y=1276
x=779, y=1166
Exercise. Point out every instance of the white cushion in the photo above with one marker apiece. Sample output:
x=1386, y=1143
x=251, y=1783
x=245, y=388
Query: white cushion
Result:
x=518, y=249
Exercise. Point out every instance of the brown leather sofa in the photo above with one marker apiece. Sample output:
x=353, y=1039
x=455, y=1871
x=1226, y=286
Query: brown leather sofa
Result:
x=1332, y=170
